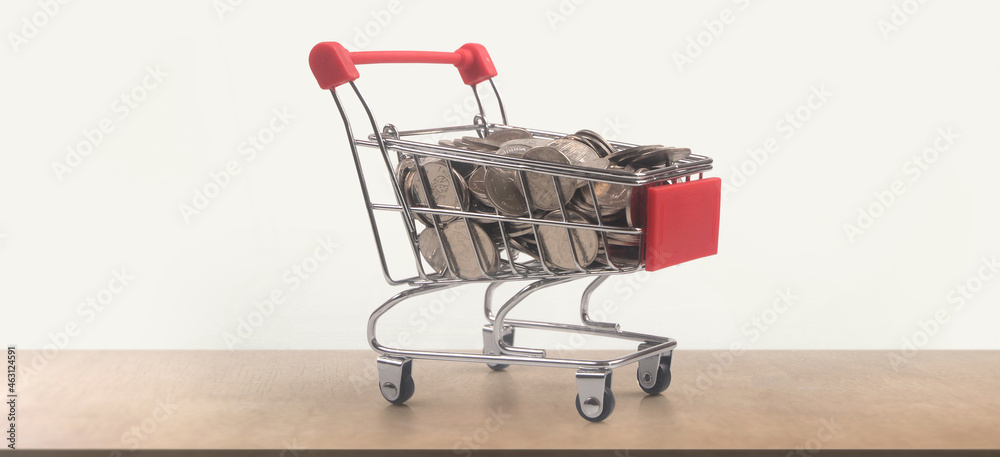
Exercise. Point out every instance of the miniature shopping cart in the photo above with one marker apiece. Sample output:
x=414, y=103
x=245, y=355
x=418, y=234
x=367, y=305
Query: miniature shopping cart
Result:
x=674, y=218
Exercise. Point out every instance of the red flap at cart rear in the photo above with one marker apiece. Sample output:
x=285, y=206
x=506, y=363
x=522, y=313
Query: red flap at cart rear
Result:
x=682, y=222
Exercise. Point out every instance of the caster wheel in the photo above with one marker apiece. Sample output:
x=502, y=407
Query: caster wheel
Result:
x=662, y=377
x=589, y=407
x=508, y=338
x=398, y=394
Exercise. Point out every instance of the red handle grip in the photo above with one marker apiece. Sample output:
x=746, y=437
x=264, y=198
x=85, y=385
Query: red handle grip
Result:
x=333, y=65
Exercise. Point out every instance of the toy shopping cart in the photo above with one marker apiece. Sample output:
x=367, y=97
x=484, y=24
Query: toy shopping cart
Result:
x=671, y=216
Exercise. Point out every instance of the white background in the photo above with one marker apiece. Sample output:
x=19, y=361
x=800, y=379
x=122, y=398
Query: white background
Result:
x=608, y=66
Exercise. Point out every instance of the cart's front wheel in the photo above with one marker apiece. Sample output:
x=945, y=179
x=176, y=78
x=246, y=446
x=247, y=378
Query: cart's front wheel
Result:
x=395, y=379
x=400, y=395
x=655, y=382
x=596, y=410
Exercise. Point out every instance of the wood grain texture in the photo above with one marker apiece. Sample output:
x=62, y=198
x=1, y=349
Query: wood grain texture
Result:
x=329, y=399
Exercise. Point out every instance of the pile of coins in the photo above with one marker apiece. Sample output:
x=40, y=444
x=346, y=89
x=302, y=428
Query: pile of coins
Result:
x=475, y=244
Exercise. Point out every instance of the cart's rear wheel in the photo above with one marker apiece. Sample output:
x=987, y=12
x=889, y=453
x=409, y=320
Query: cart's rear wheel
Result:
x=508, y=338
x=590, y=405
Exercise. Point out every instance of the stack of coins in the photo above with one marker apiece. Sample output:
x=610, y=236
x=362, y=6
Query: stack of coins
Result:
x=472, y=246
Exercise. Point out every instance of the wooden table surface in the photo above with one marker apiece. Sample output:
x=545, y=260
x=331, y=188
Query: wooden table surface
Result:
x=329, y=399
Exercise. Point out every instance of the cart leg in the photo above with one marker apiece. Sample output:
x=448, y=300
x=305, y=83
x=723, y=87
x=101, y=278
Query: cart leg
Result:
x=490, y=346
x=653, y=373
x=498, y=323
x=585, y=306
x=594, y=400
x=394, y=379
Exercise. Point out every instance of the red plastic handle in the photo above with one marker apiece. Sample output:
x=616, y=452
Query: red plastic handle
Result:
x=333, y=65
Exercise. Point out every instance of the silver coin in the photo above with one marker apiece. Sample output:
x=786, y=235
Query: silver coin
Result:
x=503, y=189
x=474, y=142
x=611, y=198
x=577, y=152
x=477, y=185
x=622, y=256
x=622, y=239
x=515, y=229
x=625, y=156
x=448, y=189
x=529, y=142
x=503, y=186
x=599, y=163
x=541, y=187
x=513, y=149
x=458, y=143
x=463, y=253
x=660, y=157
x=604, y=148
x=556, y=245
x=502, y=135
x=495, y=139
x=403, y=168
x=589, y=141
x=522, y=245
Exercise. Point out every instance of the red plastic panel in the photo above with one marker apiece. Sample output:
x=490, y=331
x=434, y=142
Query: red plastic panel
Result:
x=333, y=65
x=682, y=222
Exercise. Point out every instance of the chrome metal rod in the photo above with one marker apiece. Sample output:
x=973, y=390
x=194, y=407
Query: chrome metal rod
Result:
x=505, y=218
x=397, y=189
x=585, y=306
x=498, y=322
x=368, y=202
x=503, y=112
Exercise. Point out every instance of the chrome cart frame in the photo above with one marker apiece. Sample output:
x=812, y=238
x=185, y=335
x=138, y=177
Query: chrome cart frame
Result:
x=595, y=400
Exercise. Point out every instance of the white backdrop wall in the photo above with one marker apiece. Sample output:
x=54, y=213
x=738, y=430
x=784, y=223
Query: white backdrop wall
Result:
x=857, y=140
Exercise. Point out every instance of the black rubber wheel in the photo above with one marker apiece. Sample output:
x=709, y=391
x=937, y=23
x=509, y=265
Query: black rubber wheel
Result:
x=609, y=407
x=509, y=339
x=406, y=387
x=406, y=391
x=662, y=377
